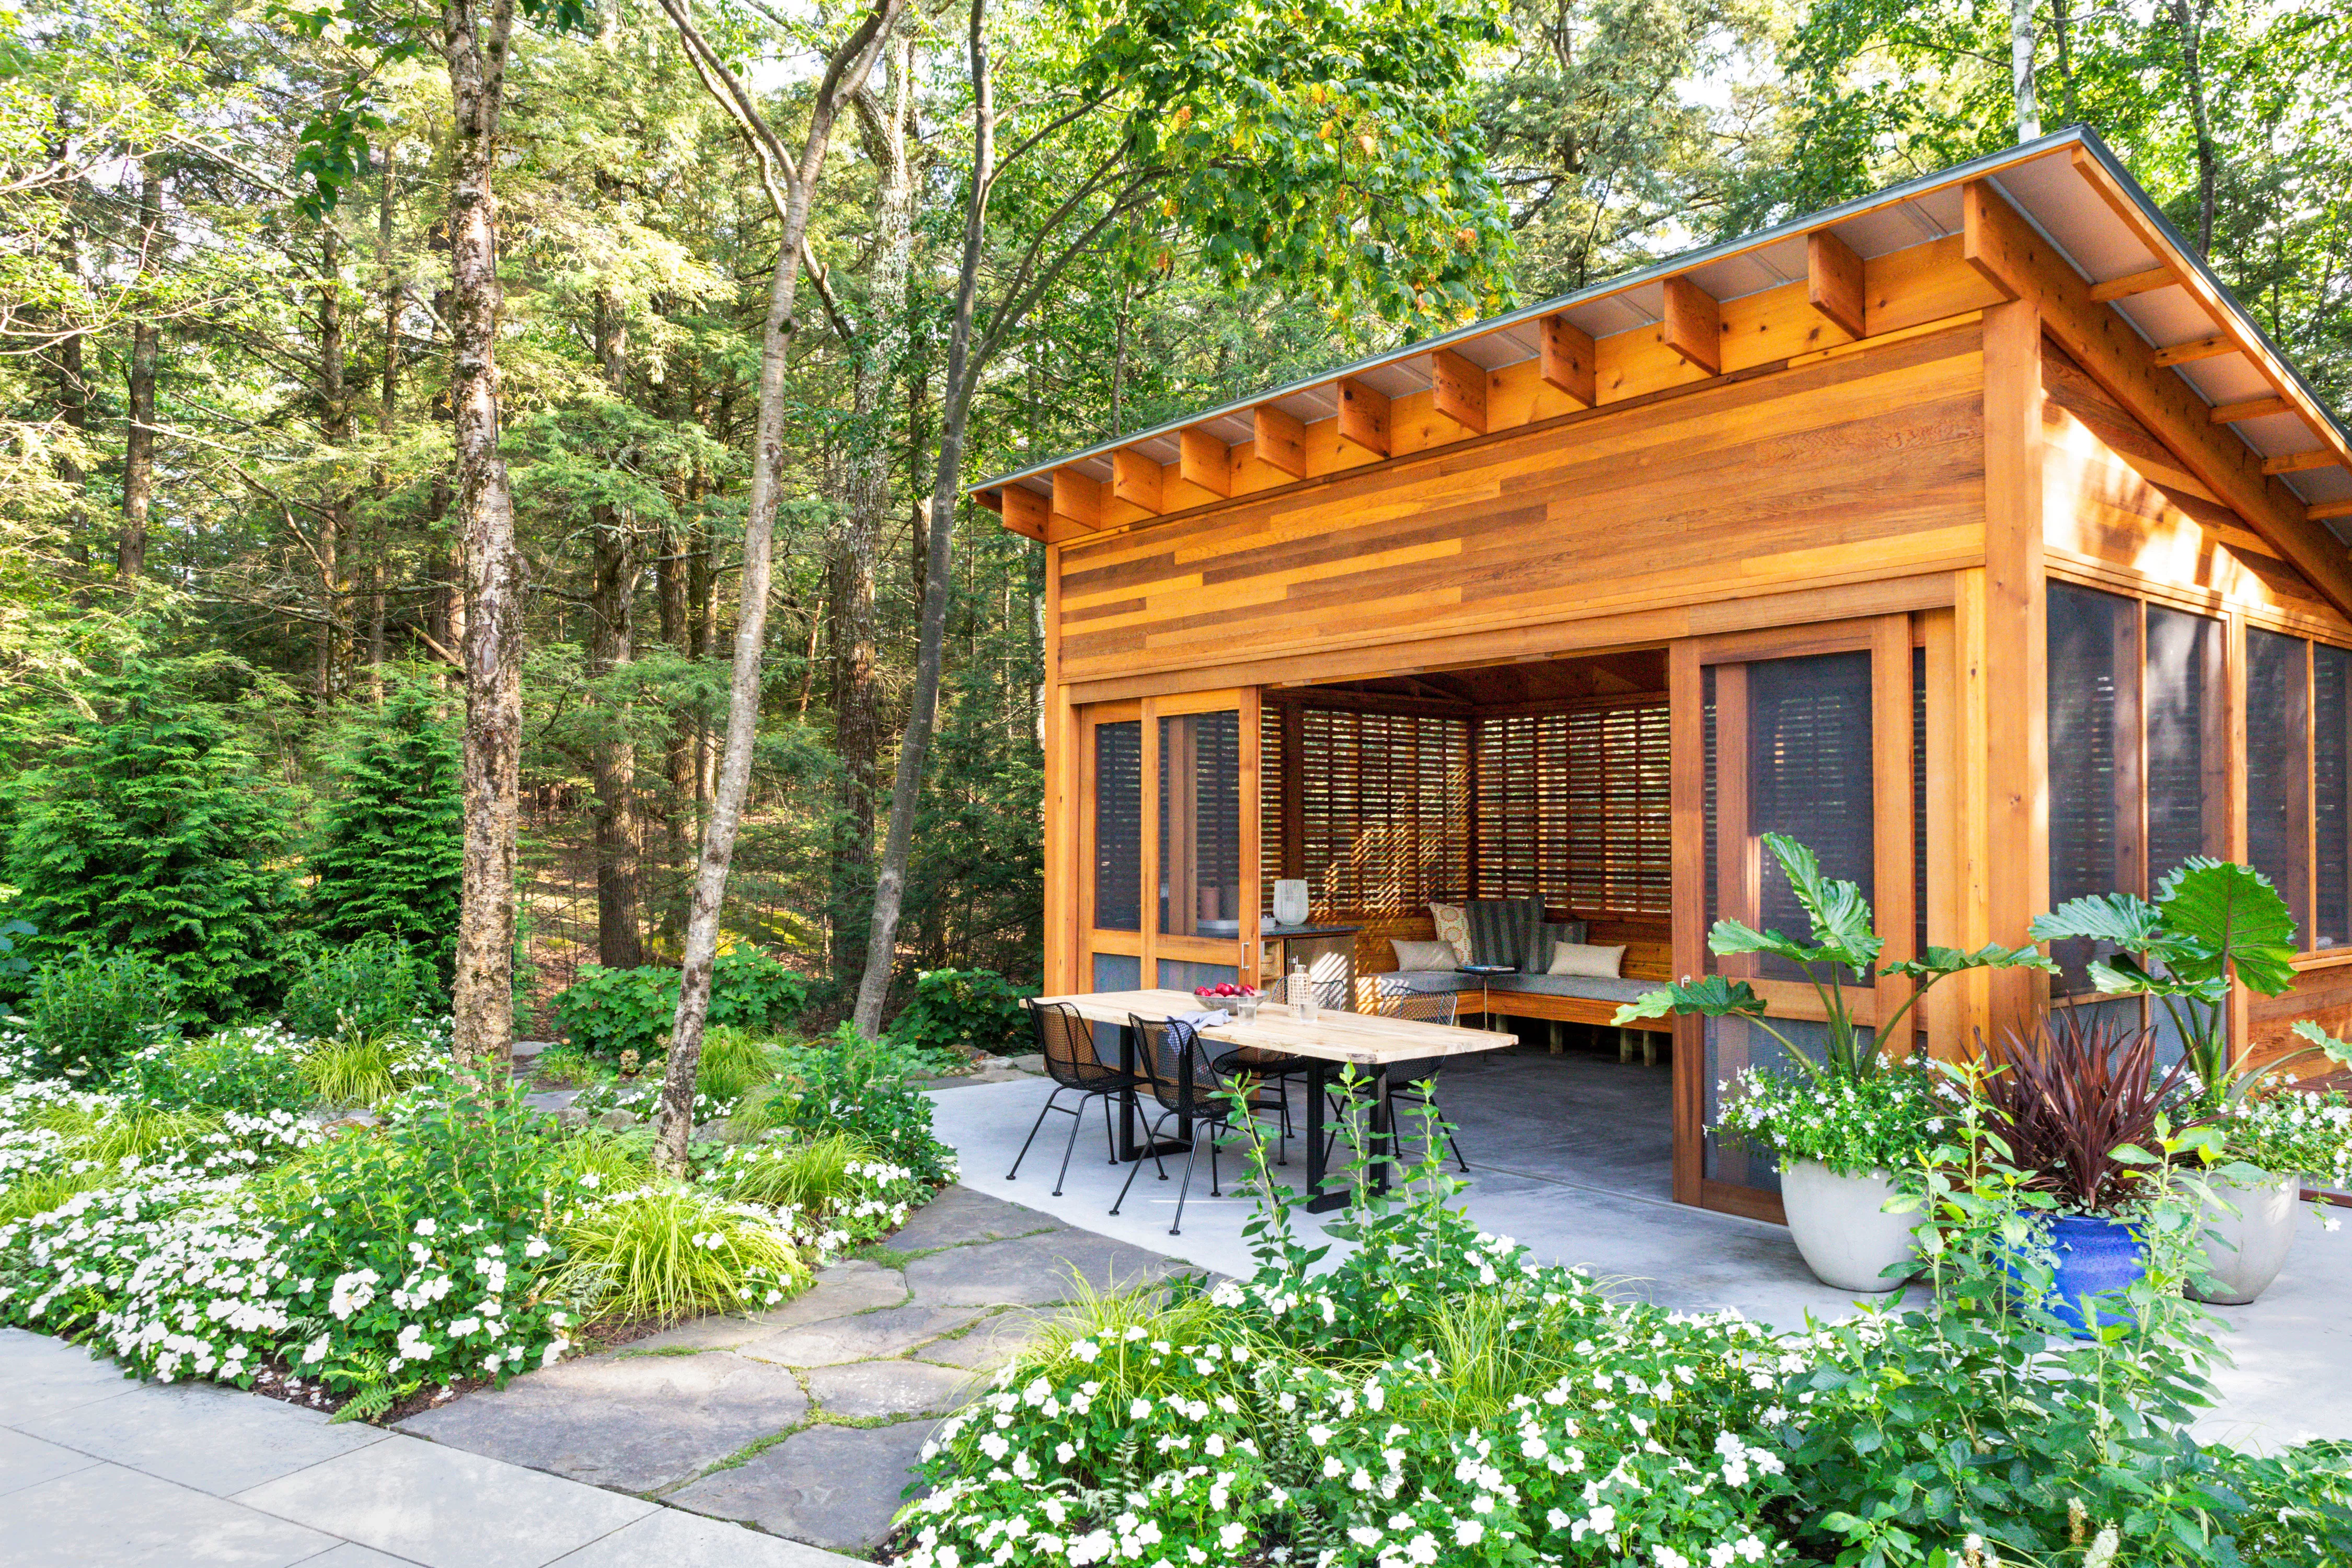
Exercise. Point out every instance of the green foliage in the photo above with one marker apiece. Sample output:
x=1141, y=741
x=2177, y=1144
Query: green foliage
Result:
x=375, y=985
x=1853, y=1125
x=367, y=1069
x=16, y=967
x=732, y=1061
x=668, y=1251
x=388, y=861
x=148, y=831
x=608, y=1011
x=89, y=1015
x=567, y=1067
x=848, y=1083
x=811, y=1173
x=253, y=1069
x=1843, y=939
x=971, y=1007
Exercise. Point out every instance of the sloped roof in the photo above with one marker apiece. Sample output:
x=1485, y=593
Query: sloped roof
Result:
x=2068, y=186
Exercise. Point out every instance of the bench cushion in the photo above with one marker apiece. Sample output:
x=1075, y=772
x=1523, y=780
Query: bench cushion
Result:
x=1429, y=982
x=1596, y=987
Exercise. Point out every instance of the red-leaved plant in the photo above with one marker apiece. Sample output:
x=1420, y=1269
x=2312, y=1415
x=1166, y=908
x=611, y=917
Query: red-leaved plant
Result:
x=2071, y=1098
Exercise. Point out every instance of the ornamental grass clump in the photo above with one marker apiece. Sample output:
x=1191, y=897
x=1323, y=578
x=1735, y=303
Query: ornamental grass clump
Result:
x=667, y=1250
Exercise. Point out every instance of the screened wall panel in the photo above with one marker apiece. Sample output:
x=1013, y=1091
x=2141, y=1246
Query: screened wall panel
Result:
x=1809, y=776
x=2093, y=747
x=2187, y=742
x=1200, y=824
x=2331, y=784
x=1573, y=805
x=1119, y=826
x=1383, y=811
x=2277, y=766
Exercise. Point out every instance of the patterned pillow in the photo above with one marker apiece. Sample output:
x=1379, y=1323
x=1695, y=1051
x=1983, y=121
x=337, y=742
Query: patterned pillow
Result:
x=1453, y=930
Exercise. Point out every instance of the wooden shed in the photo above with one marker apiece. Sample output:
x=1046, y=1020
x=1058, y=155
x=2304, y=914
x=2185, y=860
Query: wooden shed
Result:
x=1970, y=532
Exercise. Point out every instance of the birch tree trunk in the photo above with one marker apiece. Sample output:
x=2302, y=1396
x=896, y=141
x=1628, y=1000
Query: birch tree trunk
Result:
x=146, y=347
x=846, y=73
x=2020, y=69
x=474, y=44
x=2191, y=19
x=906, y=788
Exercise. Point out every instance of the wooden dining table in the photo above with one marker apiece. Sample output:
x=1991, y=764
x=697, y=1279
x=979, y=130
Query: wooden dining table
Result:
x=1328, y=1043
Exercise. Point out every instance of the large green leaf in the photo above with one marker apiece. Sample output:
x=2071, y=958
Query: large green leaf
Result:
x=1941, y=963
x=2122, y=975
x=1710, y=995
x=2231, y=918
x=2126, y=919
x=1841, y=915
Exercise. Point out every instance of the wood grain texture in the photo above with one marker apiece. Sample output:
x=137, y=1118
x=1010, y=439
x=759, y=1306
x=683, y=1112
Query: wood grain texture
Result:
x=1458, y=390
x=1136, y=479
x=1565, y=360
x=1833, y=282
x=1864, y=465
x=2133, y=283
x=1206, y=462
x=1363, y=418
x=1079, y=497
x=2015, y=642
x=1694, y=325
x=1281, y=439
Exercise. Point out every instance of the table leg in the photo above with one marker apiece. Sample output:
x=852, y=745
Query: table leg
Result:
x=1382, y=1144
x=1317, y=1200
x=1126, y=1149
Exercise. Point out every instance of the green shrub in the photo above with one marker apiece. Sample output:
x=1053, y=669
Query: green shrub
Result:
x=374, y=985
x=148, y=830
x=253, y=1069
x=89, y=1015
x=971, y=1007
x=847, y=1083
x=671, y=1251
x=813, y=1173
x=390, y=858
x=367, y=1069
x=608, y=1011
x=567, y=1066
x=733, y=1061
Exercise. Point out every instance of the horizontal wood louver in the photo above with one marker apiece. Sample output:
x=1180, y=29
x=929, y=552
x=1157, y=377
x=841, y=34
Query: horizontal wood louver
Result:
x=1573, y=805
x=1383, y=811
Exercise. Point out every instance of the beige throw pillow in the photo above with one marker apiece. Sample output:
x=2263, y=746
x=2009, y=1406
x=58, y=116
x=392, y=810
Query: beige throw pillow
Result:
x=1423, y=955
x=1453, y=930
x=1585, y=958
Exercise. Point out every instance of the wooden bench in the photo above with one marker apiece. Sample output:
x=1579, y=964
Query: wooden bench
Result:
x=1649, y=955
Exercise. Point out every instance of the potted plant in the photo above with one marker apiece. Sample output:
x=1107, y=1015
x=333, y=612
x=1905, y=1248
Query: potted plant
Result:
x=1845, y=1120
x=2079, y=1110
x=2213, y=924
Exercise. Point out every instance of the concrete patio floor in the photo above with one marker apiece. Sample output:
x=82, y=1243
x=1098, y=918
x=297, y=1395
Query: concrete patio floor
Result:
x=1568, y=1155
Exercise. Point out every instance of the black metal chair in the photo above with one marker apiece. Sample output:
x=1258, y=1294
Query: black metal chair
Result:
x=1067, y=1042
x=1269, y=1073
x=1185, y=1082
x=1414, y=1082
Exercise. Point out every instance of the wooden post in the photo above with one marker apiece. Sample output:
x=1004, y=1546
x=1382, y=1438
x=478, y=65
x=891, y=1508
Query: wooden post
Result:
x=2014, y=628
x=1061, y=804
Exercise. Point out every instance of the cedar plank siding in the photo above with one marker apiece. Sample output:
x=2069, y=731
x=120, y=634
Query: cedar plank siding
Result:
x=1859, y=466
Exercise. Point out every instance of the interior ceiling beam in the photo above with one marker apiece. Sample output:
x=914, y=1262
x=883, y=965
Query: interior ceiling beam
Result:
x=2252, y=409
x=1694, y=325
x=2004, y=248
x=2196, y=348
x=2301, y=462
x=2325, y=510
x=2133, y=283
x=1833, y=282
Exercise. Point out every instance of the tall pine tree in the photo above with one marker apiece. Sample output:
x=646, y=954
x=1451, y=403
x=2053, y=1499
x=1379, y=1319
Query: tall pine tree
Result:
x=392, y=857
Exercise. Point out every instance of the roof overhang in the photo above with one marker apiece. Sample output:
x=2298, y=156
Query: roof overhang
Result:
x=2113, y=242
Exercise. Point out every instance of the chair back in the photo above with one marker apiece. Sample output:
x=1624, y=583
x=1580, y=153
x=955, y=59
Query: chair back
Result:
x=1173, y=1063
x=1421, y=1006
x=1066, y=1040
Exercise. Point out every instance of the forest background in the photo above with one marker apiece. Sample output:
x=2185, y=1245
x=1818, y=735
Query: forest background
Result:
x=234, y=587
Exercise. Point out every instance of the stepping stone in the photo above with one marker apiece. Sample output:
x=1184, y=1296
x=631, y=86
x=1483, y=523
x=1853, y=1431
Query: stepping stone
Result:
x=848, y=1287
x=830, y=1486
x=990, y=1344
x=635, y=1423
x=202, y=1436
x=893, y=1330
x=869, y=1390
x=1032, y=1271
x=959, y=1216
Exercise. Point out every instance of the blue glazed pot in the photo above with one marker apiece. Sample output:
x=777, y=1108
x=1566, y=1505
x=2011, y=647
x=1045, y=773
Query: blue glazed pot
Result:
x=2096, y=1256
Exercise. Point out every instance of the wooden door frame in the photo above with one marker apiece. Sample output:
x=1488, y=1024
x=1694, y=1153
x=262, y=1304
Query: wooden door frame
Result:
x=1889, y=640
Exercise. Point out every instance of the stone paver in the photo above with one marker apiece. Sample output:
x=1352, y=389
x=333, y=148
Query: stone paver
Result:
x=39, y=1375
x=117, y=1517
x=892, y=1331
x=988, y=1343
x=635, y=1423
x=201, y=1436
x=28, y=1461
x=831, y=1486
x=672, y=1539
x=852, y=1285
x=444, y=1508
x=1035, y=1270
x=350, y=1554
x=960, y=1216
x=876, y=1390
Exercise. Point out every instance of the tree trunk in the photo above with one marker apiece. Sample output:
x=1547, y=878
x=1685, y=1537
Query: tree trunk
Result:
x=2061, y=29
x=846, y=73
x=2020, y=69
x=146, y=347
x=611, y=599
x=387, y=403
x=335, y=426
x=906, y=789
x=2190, y=20
x=474, y=44
x=857, y=691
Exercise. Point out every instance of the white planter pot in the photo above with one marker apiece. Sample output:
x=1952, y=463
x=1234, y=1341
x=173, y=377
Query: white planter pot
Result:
x=1842, y=1226
x=2246, y=1250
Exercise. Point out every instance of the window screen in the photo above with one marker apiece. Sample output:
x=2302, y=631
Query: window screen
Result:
x=1383, y=811
x=1809, y=776
x=2187, y=749
x=2331, y=795
x=2277, y=766
x=1119, y=826
x=1201, y=824
x=2093, y=755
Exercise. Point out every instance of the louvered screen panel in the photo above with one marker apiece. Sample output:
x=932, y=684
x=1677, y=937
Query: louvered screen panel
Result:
x=1383, y=809
x=1573, y=805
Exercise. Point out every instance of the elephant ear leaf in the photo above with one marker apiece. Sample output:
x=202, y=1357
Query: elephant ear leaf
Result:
x=1710, y=995
x=1940, y=962
x=2326, y=1043
x=2126, y=920
x=2237, y=920
x=1841, y=915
